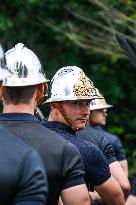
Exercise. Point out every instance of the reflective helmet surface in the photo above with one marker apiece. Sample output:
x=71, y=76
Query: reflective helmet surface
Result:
x=99, y=104
x=71, y=83
x=4, y=72
x=25, y=65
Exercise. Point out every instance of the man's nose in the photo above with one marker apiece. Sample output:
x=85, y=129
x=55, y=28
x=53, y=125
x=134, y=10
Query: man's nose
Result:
x=86, y=109
x=105, y=114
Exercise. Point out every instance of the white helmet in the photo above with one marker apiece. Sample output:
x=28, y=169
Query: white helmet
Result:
x=71, y=83
x=25, y=65
x=4, y=72
x=99, y=104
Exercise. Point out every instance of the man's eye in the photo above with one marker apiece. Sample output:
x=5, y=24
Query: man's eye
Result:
x=76, y=103
x=88, y=103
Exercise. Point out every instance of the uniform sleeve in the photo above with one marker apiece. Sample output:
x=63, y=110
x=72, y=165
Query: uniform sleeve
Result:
x=119, y=150
x=73, y=170
x=107, y=150
x=96, y=165
x=100, y=141
x=33, y=186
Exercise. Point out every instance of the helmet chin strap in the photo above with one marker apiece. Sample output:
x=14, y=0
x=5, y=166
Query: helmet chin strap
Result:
x=66, y=117
x=42, y=100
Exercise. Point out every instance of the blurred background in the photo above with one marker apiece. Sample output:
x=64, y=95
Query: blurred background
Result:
x=82, y=33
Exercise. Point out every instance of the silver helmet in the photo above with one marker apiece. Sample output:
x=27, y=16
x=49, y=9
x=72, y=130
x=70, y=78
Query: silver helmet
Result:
x=71, y=83
x=25, y=65
x=4, y=72
x=99, y=104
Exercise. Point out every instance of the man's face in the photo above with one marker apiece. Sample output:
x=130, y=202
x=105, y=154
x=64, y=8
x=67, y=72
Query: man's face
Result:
x=77, y=111
x=98, y=117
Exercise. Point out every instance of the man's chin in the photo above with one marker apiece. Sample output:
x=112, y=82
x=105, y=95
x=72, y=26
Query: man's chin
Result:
x=104, y=123
x=81, y=127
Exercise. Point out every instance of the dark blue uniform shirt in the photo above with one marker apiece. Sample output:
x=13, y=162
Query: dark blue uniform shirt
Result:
x=63, y=161
x=22, y=174
x=116, y=143
x=94, y=136
x=96, y=166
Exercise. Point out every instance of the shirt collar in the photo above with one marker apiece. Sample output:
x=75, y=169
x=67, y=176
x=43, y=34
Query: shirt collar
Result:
x=17, y=117
x=59, y=126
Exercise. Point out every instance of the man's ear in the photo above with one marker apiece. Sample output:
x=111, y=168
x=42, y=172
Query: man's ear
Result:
x=55, y=108
x=39, y=91
x=54, y=105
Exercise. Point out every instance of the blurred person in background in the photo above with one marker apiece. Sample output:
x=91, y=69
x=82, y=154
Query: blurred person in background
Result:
x=93, y=133
x=98, y=119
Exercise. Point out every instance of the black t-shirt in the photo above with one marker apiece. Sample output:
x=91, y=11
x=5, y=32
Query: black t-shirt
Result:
x=116, y=143
x=92, y=135
x=96, y=166
x=22, y=174
x=63, y=161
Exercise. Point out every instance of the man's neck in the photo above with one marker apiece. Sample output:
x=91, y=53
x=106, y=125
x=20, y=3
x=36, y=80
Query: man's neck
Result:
x=21, y=108
x=53, y=117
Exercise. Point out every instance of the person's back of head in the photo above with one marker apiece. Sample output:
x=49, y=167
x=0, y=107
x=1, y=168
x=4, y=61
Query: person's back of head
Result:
x=28, y=75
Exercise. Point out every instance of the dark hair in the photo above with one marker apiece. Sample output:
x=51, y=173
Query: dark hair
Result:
x=17, y=95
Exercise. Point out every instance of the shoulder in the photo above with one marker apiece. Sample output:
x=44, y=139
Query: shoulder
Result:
x=91, y=151
x=49, y=135
x=29, y=171
x=13, y=142
x=95, y=137
x=89, y=134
